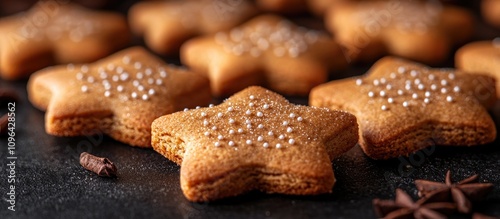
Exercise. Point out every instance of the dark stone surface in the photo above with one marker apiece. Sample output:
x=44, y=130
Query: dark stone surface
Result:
x=50, y=183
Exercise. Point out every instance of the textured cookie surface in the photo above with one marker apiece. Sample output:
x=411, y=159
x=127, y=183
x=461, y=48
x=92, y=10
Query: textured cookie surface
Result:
x=481, y=57
x=120, y=95
x=420, y=31
x=53, y=32
x=267, y=50
x=255, y=140
x=166, y=25
x=403, y=107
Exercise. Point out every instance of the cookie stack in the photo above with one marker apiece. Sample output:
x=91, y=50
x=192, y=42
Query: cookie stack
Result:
x=252, y=53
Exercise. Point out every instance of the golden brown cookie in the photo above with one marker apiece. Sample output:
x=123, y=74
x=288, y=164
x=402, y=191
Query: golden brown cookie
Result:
x=53, y=32
x=421, y=31
x=120, y=95
x=255, y=140
x=403, y=107
x=166, y=25
x=481, y=57
x=267, y=50
x=491, y=11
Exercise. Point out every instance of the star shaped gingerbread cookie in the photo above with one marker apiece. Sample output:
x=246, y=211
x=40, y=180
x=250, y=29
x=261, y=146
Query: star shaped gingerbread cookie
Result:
x=255, y=140
x=166, y=25
x=120, y=95
x=420, y=31
x=267, y=50
x=403, y=107
x=481, y=57
x=53, y=32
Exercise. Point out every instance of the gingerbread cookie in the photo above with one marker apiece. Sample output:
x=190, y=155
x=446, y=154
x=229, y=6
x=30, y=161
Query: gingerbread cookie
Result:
x=403, y=107
x=420, y=31
x=481, y=57
x=267, y=50
x=166, y=25
x=120, y=95
x=491, y=11
x=54, y=32
x=255, y=140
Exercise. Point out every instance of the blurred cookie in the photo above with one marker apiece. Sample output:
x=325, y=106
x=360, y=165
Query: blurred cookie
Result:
x=166, y=25
x=403, y=107
x=120, y=95
x=53, y=32
x=491, y=11
x=255, y=140
x=267, y=50
x=481, y=57
x=421, y=31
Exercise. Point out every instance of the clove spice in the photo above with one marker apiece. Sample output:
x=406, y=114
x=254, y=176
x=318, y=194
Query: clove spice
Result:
x=100, y=165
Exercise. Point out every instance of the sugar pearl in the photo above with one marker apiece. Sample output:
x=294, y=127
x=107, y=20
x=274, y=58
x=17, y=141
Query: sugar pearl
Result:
x=220, y=137
x=151, y=91
x=249, y=142
x=270, y=133
x=231, y=143
x=260, y=138
x=384, y=107
x=119, y=88
x=159, y=82
x=230, y=109
x=456, y=89
x=248, y=112
x=231, y=132
x=414, y=96
x=444, y=82
x=426, y=100
x=217, y=144
x=390, y=100
x=285, y=123
x=84, y=89
x=449, y=99
x=401, y=70
x=219, y=114
x=291, y=141
x=382, y=93
x=205, y=122
x=427, y=94
x=240, y=130
x=405, y=104
x=265, y=145
x=203, y=114
x=278, y=145
x=207, y=133
x=260, y=126
x=292, y=115
x=371, y=94
x=133, y=95
x=376, y=82
x=260, y=114
x=145, y=97
x=107, y=93
x=214, y=128
x=281, y=137
x=252, y=97
x=299, y=119
x=444, y=90
x=359, y=82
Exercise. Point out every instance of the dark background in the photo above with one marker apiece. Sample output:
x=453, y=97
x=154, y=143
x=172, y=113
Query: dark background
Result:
x=52, y=184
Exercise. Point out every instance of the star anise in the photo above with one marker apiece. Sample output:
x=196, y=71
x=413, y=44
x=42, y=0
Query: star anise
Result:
x=462, y=193
x=404, y=207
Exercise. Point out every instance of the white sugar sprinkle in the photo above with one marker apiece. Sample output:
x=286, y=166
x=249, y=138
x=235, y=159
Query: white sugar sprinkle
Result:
x=390, y=100
x=421, y=87
x=266, y=106
x=285, y=123
x=388, y=87
x=220, y=137
x=299, y=119
x=79, y=76
x=270, y=133
x=137, y=65
x=119, y=88
x=203, y=114
x=401, y=70
x=230, y=109
x=251, y=104
x=431, y=77
x=214, y=128
x=265, y=145
x=240, y=130
x=376, y=82
x=217, y=144
x=433, y=87
x=260, y=138
x=414, y=96
x=219, y=115
x=248, y=112
x=260, y=114
x=90, y=79
x=289, y=130
x=281, y=137
x=207, y=133
x=151, y=91
x=413, y=73
x=151, y=80
x=139, y=75
x=231, y=132
x=359, y=82
x=444, y=82
x=427, y=94
x=260, y=126
x=292, y=115
x=252, y=97
x=451, y=76
x=205, y=122
x=456, y=89
x=382, y=93
x=249, y=142
x=405, y=104
x=278, y=145
x=444, y=90
x=124, y=76
x=231, y=121
x=449, y=99
x=426, y=100
x=145, y=97
x=384, y=107
x=371, y=94
x=107, y=93
x=231, y=143
x=159, y=82
x=248, y=121
x=291, y=141
x=84, y=89
x=133, y=95
x=400, y=92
